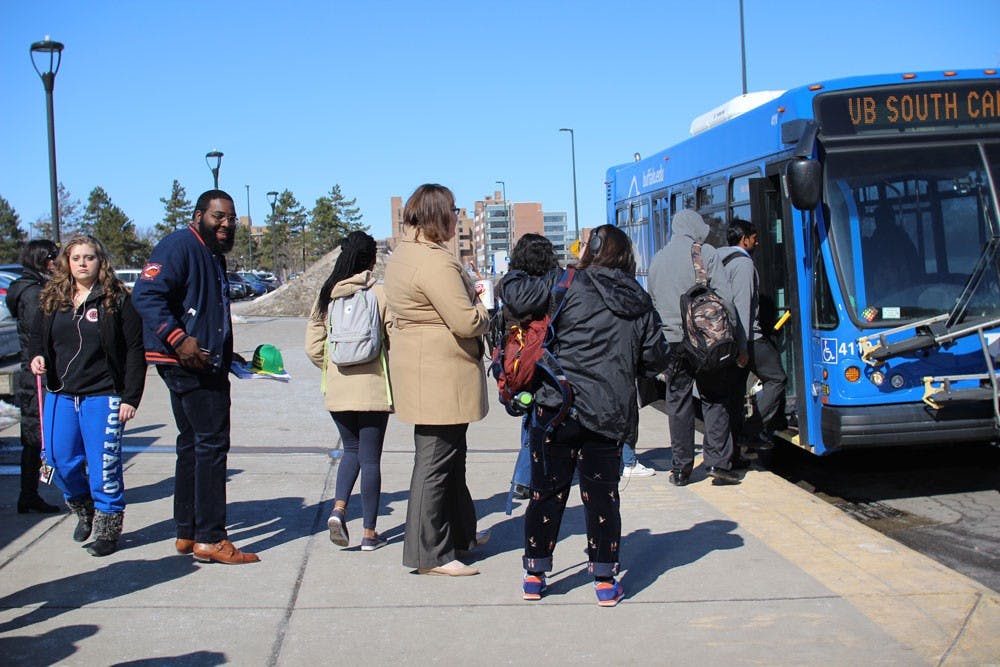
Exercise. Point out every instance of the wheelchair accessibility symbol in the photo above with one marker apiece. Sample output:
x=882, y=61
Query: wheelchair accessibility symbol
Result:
x=829, y=350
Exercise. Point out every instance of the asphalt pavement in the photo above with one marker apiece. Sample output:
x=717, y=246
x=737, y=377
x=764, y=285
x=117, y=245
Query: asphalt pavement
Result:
x=760, y=573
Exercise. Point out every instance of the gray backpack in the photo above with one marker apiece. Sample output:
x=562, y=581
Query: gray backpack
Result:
x=355, y=329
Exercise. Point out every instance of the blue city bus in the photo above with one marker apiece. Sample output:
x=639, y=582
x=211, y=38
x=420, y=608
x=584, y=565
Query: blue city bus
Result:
x=876, y=202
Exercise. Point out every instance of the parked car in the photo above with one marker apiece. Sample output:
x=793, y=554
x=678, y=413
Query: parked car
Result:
x=128, y=276
x=238, y=288
x=258, y=286
x=268, y=279
x=8, y=274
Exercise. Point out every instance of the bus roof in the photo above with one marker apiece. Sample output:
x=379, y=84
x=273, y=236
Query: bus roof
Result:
x=756, y=132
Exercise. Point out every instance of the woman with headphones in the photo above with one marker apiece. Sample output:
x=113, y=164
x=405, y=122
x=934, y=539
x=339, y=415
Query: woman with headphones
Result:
x=606, y=335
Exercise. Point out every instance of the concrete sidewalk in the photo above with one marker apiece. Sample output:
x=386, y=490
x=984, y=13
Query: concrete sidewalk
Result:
x=761, y=573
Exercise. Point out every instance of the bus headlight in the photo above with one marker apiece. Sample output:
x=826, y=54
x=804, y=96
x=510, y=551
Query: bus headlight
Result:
x=877, y=378
x=897, y=381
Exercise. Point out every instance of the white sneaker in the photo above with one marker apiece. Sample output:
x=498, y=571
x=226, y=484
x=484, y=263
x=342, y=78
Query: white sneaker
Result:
x=638, y=470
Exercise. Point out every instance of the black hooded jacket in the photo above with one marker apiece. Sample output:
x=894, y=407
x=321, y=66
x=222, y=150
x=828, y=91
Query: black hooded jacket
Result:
x=607, y=335
x=22, y=302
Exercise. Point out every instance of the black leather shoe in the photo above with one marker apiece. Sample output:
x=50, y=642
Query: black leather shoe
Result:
x=678, y=478
x=722, y=476
x=26, y=504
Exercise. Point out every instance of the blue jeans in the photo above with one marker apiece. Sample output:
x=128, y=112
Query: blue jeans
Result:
x=628, y=456
x=200, y=403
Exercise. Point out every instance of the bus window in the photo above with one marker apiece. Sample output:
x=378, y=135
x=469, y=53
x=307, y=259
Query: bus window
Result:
x=906, y=239
x=712, y=194
x=824, y=309
x=739, y=197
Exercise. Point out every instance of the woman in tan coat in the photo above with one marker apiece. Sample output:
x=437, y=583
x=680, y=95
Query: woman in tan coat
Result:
x=358, y=395
x=438, y=379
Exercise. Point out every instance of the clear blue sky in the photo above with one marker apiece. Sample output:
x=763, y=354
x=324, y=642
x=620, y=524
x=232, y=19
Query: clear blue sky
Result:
x=383, y=96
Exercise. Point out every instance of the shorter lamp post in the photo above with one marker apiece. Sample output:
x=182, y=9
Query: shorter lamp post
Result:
x=217, y=157
x=54, y=51
x=272, y=197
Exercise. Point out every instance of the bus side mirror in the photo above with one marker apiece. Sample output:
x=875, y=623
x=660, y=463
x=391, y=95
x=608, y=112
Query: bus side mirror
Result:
x=805, y=183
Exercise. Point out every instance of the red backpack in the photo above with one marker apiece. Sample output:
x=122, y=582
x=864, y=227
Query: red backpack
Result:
x=524, y=350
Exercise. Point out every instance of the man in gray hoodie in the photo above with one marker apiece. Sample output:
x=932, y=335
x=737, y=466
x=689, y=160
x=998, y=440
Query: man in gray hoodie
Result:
x=671, y=274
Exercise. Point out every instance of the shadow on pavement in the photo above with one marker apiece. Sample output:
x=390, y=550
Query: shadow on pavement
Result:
x=79, y=590
x=649, y=555
x=50, y=648
x=193, y=659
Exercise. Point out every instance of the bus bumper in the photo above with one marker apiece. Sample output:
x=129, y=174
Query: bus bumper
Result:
x=906, y=424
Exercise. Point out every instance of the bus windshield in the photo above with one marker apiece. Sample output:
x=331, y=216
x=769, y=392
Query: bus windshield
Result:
x=907, y=227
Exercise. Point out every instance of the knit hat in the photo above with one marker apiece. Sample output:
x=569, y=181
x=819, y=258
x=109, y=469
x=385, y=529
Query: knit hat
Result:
x=267, y=359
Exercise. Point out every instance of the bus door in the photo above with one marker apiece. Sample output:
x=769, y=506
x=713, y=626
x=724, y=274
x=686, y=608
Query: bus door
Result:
x=778, y=295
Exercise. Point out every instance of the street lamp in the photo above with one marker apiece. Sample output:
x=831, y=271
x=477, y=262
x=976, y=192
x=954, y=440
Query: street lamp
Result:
x=572, y=144
x=54, y=51
x=249, y=231
x=217, y=157
x=272, y=196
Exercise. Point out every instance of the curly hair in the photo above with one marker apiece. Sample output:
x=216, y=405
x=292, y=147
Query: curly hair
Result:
x=357, y=254
x=58, y=292
x=534, y=255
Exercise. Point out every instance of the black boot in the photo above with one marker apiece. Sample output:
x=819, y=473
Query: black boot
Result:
x=84, y=510
x=107, y=529
x=35, y=503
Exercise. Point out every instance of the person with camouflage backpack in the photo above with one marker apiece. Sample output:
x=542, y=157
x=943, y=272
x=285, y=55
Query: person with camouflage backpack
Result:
x=672, y=273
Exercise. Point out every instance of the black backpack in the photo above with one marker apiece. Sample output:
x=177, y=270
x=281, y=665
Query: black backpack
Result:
x=709, y=331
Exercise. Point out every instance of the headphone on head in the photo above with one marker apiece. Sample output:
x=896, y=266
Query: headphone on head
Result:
x=594, y=243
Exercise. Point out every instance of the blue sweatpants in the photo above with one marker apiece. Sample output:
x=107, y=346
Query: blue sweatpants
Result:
x=84, y=441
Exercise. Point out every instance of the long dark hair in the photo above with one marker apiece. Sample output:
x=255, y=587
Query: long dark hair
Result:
x=610, y=247
x=35, y=255
x=357, y=254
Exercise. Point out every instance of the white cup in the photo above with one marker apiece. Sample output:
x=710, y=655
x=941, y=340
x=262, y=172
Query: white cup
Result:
x=484, y=288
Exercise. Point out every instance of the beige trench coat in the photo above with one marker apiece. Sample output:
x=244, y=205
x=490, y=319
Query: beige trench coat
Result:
x=363, y=387
x=435, y=327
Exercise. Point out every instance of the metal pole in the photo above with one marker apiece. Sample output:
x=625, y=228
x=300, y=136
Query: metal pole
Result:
x=249, y=231
x=576, y=214
x=303, y=245
x=49, y=81
x=743, y=50
x=273, y=198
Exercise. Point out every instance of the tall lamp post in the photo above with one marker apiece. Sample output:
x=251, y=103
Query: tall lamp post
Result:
x=54, y=52
x=215, y=156
x=272, y=196
x=572, y=145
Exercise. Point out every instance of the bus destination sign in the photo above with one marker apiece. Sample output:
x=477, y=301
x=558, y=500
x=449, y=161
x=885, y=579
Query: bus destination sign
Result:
x=904, y=108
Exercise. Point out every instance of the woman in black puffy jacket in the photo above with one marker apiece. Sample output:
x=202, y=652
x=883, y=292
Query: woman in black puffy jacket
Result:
x=607, y=335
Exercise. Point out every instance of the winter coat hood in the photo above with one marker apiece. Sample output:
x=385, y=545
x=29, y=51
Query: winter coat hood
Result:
x=620, y=292
x=690, y=224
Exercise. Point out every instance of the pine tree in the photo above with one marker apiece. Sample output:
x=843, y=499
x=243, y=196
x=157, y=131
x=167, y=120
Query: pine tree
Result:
x=69, y=217
x=103, y=220
x=333, y=218
x=12, y=237
x=277, y=252
x=177, y=213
